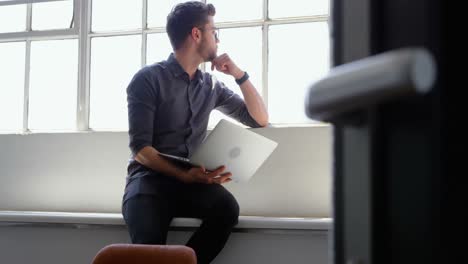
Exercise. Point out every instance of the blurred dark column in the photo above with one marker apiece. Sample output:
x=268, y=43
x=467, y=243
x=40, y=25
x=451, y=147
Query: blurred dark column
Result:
x=389, y=170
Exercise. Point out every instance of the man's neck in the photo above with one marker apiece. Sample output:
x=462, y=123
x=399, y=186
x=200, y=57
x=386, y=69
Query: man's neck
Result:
x=188, y=61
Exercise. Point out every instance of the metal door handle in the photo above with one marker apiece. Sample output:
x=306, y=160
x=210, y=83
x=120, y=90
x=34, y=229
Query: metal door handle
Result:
x=370, y=81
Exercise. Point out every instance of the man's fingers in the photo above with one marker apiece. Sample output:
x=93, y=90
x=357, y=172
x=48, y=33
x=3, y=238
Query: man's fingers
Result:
x=219, y=65
x=219, y=61
x=208, y=180
x=225, y=177
x=202, y=168
x=221, y=181
x=222, y=61
x=227, y=174
x=223, y=56
x=227, y=180
x=203, y=178
x=216, y=172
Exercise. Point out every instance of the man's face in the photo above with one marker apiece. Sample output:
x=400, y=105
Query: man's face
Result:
x=208, y=47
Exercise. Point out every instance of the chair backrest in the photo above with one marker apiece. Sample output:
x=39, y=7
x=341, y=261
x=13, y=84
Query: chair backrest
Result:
x=145, y=254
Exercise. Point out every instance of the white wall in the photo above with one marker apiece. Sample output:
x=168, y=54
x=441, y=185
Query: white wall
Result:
x=85, y=172
x=54, y=245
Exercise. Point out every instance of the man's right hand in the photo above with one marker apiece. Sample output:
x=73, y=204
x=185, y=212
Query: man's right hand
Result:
x=199, y=174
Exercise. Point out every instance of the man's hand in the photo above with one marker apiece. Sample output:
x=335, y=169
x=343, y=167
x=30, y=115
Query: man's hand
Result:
x=253, y=100
x=224, y=64
x=199, y=174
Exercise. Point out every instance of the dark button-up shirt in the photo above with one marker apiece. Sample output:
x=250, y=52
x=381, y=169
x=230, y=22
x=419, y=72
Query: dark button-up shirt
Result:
x=170, y=112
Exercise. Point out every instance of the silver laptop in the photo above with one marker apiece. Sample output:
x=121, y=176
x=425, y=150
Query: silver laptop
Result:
x=242, y=151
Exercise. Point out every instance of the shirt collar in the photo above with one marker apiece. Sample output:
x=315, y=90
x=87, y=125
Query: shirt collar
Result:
x=177, y=69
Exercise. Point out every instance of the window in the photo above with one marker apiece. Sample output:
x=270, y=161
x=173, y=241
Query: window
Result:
x=12, y=18
x=53, y=85
x=53, y=15
x=158, y=11
x=111, y=15
x=66, y=63
x=284, y=50
x=12, y=85
x=291, y=73
x=39, y=65
x=246, y=52
x=109, y=79
x=239, y=10
x=297, y=8
x=158, y=47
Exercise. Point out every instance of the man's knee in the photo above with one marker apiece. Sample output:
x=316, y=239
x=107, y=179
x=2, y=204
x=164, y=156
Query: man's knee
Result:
x=228, y=209
x=147, y=220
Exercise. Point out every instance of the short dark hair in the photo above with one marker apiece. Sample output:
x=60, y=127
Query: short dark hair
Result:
x=184, y=17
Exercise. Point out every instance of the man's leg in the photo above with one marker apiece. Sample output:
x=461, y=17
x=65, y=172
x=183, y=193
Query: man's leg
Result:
x=147, y=218
x=219, y=211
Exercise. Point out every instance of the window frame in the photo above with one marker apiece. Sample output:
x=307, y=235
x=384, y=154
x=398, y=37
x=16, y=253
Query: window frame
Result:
x=29, y=35
x=81, y=30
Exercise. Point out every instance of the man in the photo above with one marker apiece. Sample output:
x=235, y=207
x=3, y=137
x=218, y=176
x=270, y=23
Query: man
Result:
x=169, y=104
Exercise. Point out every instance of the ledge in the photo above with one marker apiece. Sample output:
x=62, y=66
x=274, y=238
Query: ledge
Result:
x=91, y=131
x=113, y=219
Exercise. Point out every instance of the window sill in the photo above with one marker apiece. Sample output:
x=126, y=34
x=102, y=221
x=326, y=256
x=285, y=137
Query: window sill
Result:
x=90, y=131
x=113, y=219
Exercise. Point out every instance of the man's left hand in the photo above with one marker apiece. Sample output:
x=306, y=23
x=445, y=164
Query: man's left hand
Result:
x=224, y=64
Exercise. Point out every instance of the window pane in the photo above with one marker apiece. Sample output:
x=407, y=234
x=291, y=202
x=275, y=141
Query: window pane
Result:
x=158, y=48
x=295, y=8
x=52, y=15
x=12, y=85
x=110, y=78
x=12, y=18
x=246, y=54
x=237, y=10
x=53, y=85
x=298, y=55
x=116, y=15
x=158, y=11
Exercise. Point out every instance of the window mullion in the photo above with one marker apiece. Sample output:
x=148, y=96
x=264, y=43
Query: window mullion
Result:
x=76, y=15
x=84, y=65
x=144, y=35
x=203, y=65
x=27, y=71
x=27, y=74
x=265, y=29
x=28, y=17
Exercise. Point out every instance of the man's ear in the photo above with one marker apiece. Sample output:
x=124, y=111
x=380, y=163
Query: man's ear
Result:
x=195, y=34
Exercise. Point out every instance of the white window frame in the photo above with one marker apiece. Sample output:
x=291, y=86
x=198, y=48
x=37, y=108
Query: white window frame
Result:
x=82, y=31
x=29, y=35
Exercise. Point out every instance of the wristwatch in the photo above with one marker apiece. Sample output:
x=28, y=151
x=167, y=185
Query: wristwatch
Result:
x=242, y=79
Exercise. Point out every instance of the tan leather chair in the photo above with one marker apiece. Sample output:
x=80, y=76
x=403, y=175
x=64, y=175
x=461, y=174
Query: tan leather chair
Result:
x=145, y=254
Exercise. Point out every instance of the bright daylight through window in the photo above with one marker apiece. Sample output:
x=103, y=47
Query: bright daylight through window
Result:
x=65, y=64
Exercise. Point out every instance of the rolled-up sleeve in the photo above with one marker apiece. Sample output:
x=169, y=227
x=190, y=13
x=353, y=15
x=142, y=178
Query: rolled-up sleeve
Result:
x=232, y=105
x=141, y=99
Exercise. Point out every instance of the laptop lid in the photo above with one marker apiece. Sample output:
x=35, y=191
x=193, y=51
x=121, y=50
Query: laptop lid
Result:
x=242, y=151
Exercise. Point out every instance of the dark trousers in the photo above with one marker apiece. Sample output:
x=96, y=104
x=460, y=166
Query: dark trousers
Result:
x=148, y=216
